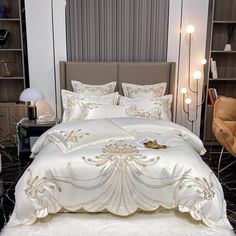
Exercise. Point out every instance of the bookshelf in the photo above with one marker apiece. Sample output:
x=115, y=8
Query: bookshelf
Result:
x=222, y=15
x=12, y=74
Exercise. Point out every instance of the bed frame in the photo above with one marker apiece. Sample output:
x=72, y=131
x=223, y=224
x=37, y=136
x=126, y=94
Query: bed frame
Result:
x=129, y=72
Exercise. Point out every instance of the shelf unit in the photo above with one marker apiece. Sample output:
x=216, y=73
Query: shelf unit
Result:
x=11, y=85
x=222, y=14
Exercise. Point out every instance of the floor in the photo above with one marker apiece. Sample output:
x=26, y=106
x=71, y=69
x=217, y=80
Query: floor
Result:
x=227, y=179
x=12, y=171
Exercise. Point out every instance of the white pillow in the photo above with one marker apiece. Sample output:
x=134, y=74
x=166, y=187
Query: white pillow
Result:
x=76, y=106
x=106, y=111
x=145, y=108
x=148, y=108
x=98, y=90
x=148, y=91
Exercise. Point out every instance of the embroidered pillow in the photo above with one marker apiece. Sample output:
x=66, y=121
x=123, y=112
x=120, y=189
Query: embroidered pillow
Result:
x=106, y=111
x=148, y=108
x=148, y=91
x=98, y=90
x=76, y=106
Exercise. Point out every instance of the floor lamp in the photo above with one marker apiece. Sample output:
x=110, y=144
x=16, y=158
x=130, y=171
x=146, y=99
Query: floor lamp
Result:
x=187, y=101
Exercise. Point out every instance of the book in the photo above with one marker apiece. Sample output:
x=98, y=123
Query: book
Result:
x=211, y=96
x=213, y=68
x=215, y=95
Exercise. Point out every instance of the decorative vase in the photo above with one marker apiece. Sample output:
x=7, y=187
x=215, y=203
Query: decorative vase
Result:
x=3, y=36
x=228, y=47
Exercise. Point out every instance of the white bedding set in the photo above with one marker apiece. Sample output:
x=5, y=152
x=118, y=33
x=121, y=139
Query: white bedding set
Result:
x=102, y=165
x=96, y=162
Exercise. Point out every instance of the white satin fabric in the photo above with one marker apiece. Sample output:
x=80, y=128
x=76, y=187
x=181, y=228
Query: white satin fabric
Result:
x=118, y=174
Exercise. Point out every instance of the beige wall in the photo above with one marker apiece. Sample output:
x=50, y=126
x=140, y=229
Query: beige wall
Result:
x=46, y=39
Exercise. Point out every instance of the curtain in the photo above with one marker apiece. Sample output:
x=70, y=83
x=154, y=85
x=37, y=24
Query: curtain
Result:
x=117, y=30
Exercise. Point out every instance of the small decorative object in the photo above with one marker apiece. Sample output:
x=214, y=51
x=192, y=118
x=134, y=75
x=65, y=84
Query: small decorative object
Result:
x=5, y=62
x=154, y=144
x=3, y=11
x=31, y=95
x=228, y=47
x=213, y=68
x=3, y=37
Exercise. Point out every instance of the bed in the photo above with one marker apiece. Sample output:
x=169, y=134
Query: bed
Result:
x=119, y=165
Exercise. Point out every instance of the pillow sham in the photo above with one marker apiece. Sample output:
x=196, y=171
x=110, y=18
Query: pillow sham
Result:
x=149, y=91
x=151, y=109
x=106, y=111
x=148, y=108
x=98, y=90
x=76, y=106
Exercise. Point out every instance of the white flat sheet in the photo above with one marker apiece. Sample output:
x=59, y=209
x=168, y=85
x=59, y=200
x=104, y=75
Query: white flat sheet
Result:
x=161, y=223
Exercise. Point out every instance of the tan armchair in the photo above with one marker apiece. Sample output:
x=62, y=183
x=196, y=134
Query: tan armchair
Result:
x=224, y=127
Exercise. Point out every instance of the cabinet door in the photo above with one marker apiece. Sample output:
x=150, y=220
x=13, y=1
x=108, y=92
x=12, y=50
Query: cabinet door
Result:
x=4, y=121
x=16, y=112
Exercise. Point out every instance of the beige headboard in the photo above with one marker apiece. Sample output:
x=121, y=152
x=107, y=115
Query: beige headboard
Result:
x=129, y=72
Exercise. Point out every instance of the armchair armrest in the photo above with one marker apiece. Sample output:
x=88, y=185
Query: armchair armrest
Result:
x=224, y=132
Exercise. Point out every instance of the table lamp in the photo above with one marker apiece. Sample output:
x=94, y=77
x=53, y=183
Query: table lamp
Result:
x=31, y=95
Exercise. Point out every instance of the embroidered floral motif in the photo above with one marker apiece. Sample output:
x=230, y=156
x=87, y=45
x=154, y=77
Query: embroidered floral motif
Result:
x=120, y=182
x=87, y=107
x=73, y=136
x=38, y=188
x=69, y=101
x=87, y=89
x=203, y=187
x=157, y=91
x=163, y=103
x=121, y=156
x=153, y=114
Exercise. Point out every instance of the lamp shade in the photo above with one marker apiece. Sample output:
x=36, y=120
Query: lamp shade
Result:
x=30, y=95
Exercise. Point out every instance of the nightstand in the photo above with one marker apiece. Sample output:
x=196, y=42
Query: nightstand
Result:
x=28, y=132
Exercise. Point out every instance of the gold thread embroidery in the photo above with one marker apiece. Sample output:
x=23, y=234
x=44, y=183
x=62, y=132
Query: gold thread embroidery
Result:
x=122, y=165
x=121, y=156
x=157, y=91
x=153, y=114
x=73, y=136
x=87, y=89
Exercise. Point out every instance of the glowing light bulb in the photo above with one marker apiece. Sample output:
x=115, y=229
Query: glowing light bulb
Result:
x=188, y=101
x=197, y=74
x=203, y=61
x=190, y=29
x=183, y=90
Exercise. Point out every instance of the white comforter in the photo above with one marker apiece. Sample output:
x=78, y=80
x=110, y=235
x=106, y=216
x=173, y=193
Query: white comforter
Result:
x=102, y=165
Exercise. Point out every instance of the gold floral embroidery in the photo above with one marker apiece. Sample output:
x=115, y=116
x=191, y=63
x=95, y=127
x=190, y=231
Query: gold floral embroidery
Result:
x=69, y=101
x=73, y=136
x=164, y=103
x=157, y=91
x=87, y=89
x=37, y=188
x=153, y=114
x=121, y=156
x=122, y=169
x=204, y=188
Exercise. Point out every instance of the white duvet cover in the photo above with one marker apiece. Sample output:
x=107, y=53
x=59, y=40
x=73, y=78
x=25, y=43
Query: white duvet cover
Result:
x=102, y=165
